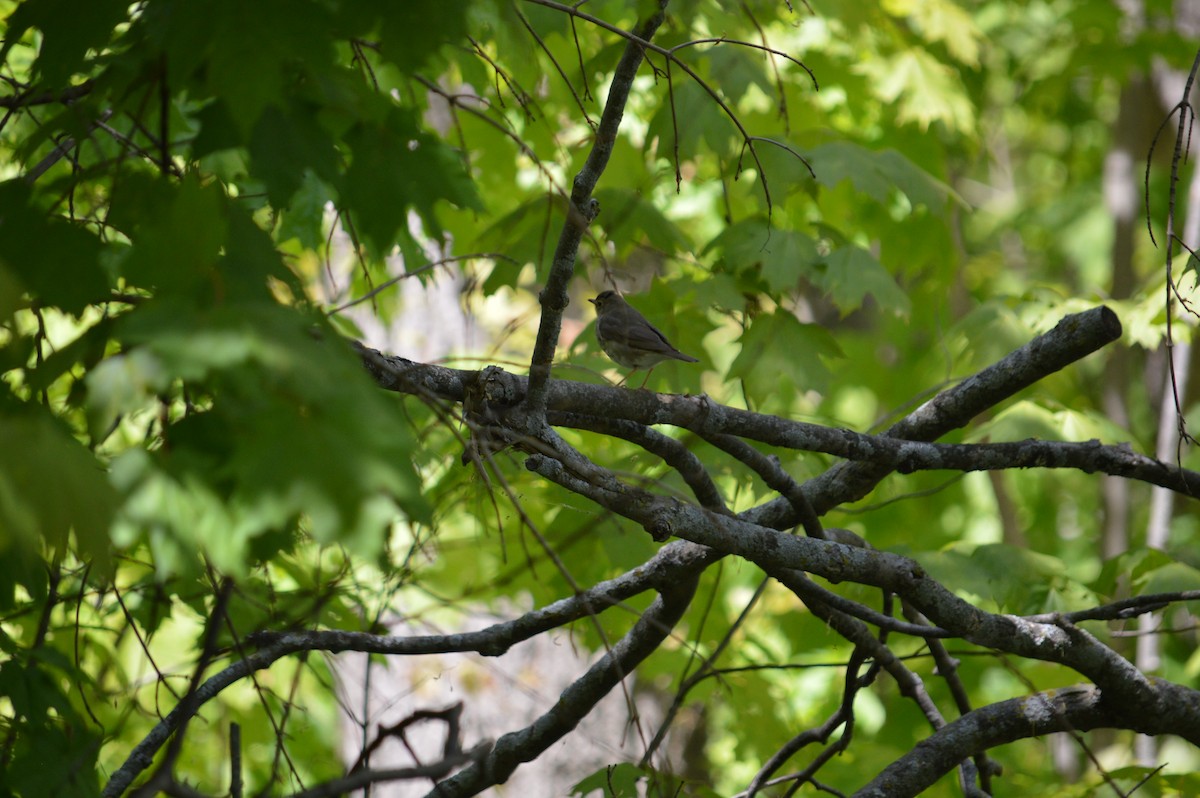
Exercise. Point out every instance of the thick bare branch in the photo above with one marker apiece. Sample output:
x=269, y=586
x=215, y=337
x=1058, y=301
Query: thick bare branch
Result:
x=1076, y=708
x=672, y=452
x=902, y=448
x=775, y=552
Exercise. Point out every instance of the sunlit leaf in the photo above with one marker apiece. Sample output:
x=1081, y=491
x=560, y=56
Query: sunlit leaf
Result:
x=924, y=90
x=55, y=487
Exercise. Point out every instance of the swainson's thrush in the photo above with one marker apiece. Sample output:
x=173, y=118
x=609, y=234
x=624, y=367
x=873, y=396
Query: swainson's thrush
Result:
x=629, y=339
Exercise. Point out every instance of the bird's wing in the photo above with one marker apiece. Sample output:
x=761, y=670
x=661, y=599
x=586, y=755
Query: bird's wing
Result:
x=647, y=336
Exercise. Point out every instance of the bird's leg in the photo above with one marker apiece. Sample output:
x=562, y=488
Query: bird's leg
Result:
x=643, y=385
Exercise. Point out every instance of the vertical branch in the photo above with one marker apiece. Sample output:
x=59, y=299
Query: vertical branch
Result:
x=235, y=761
x=582, y=209
x=1187, y=117
x=164, y=118
x=1171, y=435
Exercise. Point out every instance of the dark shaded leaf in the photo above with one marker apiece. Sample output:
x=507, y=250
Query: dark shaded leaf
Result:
x=56, y=261
x=69, y=31
x=396, y=167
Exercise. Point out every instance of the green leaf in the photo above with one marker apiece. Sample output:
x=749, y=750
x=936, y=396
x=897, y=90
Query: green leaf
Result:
x=780, y=357
x=781, y=256
x=1150, y=781
x=1116, y=575
x=122, y=384
x=27, y=689
x=737, y=70
x=51, y=488
x=268, y=39
x=785, y=168
x=925, y=90
x=407, y=37
x=521, y=235
x=396, y=167
x=73, y=750
x=851, y=273
x=919, y=186
x=789, y=255
x=877, y=174
x=188, y=240
x=217, y=130
x=11, y=290
x=304, y=216
x=1170, y=578
x=56, y=261
x=286, y=144
x=694, y=118
x=88, y=349
x=69, y=31
x=942, y=21
x=613, y=781
x=250, y=258
x=1029, y=419
x=1016, y=580
x=295, y=430
x=21, y=566
x=630, y=220
x=176, y=230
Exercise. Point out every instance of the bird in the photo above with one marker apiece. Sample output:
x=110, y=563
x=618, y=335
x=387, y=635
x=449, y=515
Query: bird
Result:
x=629, y=339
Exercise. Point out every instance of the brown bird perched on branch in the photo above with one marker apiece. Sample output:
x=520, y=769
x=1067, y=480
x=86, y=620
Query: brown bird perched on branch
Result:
x=629, y=339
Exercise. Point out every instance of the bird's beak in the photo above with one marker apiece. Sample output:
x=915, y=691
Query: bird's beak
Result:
x=593, y=301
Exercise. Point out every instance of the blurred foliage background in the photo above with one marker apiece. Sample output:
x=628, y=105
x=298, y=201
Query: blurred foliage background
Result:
x=199, y=200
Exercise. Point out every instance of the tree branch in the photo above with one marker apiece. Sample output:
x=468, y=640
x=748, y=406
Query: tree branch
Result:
x=1073, y=338
x=901, y=448
x=774, y=552
x=672, y=452
x=362, y=778
x=577, y=700
x=582, y=210
x=1079, y=708
x=672, y=564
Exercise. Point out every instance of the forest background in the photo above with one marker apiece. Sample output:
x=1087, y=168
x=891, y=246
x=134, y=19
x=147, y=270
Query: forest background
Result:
x=844, y=209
